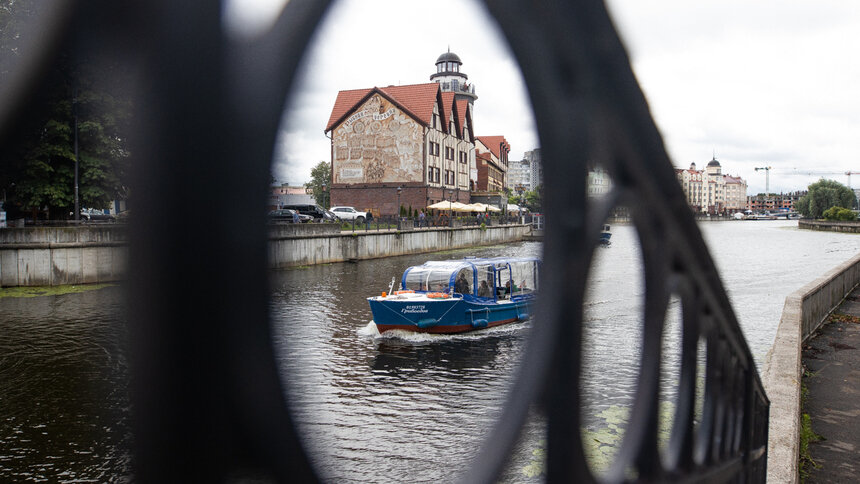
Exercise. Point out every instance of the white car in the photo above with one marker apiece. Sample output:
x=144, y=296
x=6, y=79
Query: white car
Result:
x=350, y=213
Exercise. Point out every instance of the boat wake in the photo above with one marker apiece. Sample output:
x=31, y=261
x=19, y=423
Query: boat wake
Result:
x=370, y=331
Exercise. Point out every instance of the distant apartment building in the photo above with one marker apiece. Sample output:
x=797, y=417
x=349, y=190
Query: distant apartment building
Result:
x=709, y=191
x=526, y=174
x=520, y=176
x=598, y=182
x=536, y=165
x=774, y=202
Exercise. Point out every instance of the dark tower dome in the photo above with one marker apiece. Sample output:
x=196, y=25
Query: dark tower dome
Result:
x=449, y=57
x=714, y=162
x=448, y=64
x=451, y=79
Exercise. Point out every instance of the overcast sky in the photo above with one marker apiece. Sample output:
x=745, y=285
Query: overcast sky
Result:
x=766, y=83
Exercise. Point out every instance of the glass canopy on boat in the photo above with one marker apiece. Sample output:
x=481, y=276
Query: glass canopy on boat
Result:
x=501, y=278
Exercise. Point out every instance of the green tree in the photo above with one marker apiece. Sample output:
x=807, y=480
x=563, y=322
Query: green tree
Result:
x=839, y=213
x=532, y=199
x=321, y=177
x=38, y=157
x=823, y=195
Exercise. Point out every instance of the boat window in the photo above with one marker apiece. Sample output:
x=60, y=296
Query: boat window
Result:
x=503, y=281
x=524, y=277
x=485, y=281
x=463, y=284
x=428, y=279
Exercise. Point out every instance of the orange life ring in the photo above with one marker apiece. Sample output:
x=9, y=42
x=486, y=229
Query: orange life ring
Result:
x=437, y=295
x=406, y=291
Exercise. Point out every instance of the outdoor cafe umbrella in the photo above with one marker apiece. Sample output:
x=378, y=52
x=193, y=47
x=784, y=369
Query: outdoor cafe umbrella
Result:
x=449, y=205
x=443, y=205
x=481, y=207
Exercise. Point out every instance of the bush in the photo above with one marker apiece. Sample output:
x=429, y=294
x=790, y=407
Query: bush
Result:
x=839, y=213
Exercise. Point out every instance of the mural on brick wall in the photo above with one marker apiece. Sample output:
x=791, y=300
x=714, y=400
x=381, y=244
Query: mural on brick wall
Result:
x=378, y=144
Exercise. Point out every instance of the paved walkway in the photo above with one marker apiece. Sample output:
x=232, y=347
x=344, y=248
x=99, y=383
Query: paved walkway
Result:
x=832, y=358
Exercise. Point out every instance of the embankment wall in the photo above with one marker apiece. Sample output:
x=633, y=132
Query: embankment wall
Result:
x=830, y=226
x=804, y=311
x=51, y=256
x=299, y=250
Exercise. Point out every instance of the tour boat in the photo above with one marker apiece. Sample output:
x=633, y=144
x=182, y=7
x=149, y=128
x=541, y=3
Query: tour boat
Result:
x=456, y=296
x=605, y=235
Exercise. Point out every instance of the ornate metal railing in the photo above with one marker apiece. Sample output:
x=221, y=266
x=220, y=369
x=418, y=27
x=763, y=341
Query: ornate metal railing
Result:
x=208, y=402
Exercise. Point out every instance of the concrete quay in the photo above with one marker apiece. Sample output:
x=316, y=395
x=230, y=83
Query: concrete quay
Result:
x=804, y=312
x=51, y=256
x=829, y=226
x=831, y=358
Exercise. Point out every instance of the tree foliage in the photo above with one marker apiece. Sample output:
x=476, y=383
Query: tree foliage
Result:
x=839, y=213
x=321, y=177
x=530, y=199
x=38, y=157
x=823, y=195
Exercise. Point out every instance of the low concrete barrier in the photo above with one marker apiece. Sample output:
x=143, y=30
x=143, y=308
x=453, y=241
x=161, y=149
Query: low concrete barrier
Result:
x=51, y=256
x=804, y=311
x=299, y=250
x=829, y=225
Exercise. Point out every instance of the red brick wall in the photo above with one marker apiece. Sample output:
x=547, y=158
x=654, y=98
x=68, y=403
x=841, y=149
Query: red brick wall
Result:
x=382, y=199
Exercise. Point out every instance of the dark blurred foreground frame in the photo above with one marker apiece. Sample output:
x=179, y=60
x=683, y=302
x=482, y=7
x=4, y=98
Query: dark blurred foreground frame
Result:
x=207, y=400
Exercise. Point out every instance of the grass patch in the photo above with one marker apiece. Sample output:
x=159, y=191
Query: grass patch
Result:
x=807, y=435
x=843, y=318
x=37, y=291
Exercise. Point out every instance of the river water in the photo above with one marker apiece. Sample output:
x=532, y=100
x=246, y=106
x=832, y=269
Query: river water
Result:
x=374, y=409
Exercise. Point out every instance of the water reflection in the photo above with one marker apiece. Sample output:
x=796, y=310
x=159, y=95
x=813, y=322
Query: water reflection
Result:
x=371, y=409
x=63, y=388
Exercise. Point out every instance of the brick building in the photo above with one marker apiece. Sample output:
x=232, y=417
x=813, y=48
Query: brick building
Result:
x=416, y=138
x=491, y=159
x=774, y=202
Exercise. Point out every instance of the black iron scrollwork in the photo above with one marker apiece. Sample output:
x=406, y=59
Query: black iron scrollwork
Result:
x=207, y=397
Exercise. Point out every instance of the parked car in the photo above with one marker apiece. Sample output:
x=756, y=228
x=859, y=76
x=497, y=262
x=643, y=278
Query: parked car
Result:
x=318, y=213
x=92, y=215
x=286, y=215
x=350, y=213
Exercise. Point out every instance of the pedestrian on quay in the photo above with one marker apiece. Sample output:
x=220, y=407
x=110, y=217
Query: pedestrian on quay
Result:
x=421, y=218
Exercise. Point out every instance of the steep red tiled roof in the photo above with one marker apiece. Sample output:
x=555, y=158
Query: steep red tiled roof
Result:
x=462, y=105
x=493, y=143
x=448, y=108
x=415, y=99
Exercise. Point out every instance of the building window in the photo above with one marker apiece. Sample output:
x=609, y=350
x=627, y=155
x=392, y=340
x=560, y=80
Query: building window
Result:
x=449, y=153
x=434, y=148
x=463, y=158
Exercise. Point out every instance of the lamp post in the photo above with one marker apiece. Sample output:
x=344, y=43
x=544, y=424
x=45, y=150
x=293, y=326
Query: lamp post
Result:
x=450, y=207
x=397, y=209
x=325, y=205
x=75, y=116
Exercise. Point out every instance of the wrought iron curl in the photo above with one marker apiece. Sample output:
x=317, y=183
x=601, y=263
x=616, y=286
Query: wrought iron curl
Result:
x=214, y=402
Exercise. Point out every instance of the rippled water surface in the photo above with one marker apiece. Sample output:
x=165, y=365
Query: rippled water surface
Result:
x=374, y=409
x=63, y=381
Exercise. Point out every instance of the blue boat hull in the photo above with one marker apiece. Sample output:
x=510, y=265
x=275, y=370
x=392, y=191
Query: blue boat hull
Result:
x=450, y=315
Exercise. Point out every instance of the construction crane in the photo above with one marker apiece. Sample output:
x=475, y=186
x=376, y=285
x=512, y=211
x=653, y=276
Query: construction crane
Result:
x=846, y=173
x=766, y=178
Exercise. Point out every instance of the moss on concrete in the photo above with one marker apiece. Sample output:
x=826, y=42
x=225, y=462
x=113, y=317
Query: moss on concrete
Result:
x=36, y=291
